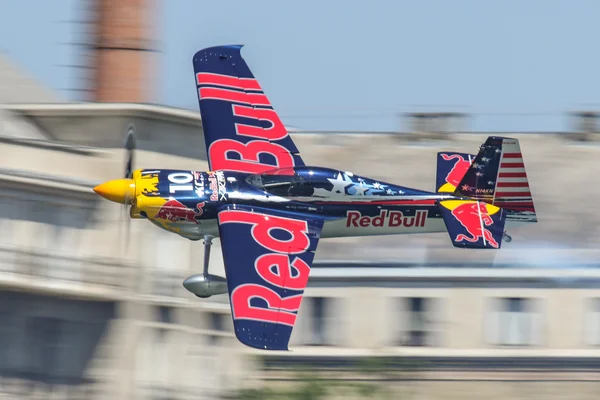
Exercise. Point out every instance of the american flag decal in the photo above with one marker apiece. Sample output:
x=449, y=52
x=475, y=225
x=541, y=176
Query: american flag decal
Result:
x=512, y=187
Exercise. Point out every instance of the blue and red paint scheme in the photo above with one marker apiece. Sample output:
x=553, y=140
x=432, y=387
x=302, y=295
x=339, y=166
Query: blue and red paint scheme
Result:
x=269, y=209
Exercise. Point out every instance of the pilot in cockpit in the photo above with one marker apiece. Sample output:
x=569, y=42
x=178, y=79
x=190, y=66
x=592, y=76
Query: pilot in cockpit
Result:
x=291, y=185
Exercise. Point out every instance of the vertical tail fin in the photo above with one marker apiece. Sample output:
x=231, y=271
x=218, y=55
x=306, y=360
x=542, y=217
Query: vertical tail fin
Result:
x=498, y=176
x=451, y=168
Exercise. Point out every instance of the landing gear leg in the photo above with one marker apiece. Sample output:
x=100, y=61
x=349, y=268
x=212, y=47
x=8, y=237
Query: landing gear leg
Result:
x=205, y=285
x=507, y=238
x=207, y=244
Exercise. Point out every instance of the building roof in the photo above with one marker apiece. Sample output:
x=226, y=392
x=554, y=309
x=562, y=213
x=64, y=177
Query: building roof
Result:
x=19, y=87
x=85, y=109
x=13, y=125
x=159, y=129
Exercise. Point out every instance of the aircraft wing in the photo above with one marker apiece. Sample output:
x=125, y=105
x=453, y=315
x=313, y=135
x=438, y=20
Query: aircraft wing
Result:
x=268, y=255
x=242, y=131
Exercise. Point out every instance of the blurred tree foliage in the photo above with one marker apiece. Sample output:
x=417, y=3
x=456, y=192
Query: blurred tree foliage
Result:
x=308, y=384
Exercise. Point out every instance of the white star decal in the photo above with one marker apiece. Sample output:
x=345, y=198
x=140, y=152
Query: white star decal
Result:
x=389, y=191
x=377, y=185
x=340, y=184
x=485, y=159
x=360, y=190
x=479, y=174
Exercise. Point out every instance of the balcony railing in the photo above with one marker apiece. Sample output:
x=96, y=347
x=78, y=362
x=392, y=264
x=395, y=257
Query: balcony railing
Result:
x=40, y=268
x=169, y=284
x=45, y=271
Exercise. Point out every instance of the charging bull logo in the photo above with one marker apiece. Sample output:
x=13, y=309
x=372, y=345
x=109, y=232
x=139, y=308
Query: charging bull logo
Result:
x=474, y=217
x=175, y=211
x=458, y=171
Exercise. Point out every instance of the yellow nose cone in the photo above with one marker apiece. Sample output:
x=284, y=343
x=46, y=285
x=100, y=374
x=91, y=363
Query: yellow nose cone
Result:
x=118, y=190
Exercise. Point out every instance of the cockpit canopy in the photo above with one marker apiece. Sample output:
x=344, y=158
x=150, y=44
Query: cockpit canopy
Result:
x=300, y=181
x=285, y=182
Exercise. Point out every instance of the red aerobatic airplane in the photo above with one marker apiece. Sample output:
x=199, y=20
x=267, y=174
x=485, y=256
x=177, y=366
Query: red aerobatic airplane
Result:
x=270, y=210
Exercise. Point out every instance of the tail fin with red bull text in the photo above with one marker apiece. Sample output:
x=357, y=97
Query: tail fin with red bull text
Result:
x=497, y=176
x=473, y=224
x=451, y=168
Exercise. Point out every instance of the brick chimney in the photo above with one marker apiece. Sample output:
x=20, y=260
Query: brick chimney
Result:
x=123, y=57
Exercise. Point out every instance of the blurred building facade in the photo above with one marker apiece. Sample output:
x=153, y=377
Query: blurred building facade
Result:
x=93, y=307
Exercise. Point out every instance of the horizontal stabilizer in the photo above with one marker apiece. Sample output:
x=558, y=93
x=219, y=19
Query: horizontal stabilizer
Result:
x=473, y=224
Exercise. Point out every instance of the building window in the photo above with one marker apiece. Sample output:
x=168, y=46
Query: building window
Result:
x=165, y=314
x=217, y=321
x=320, y=322
x=216, y=325
x=43, y=335
x=318, y=333
x=592, y=322
x=514, y=321
x=417, y=318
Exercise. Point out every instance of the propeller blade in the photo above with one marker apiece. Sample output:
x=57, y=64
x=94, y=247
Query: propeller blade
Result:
x=127, y=228
x=123, y=235
x=130, y=147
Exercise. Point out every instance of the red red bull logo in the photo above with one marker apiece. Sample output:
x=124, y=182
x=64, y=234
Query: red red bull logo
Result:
x=474, y=217
x=175, y=211
x=275, y=268
x=386, y=218
x=459, y=169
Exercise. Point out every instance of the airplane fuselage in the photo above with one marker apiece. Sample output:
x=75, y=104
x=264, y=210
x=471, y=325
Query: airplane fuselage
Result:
x=187, y=202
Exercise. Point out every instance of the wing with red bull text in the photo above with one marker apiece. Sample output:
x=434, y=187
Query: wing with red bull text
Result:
x=242, y=131
x=267, y=255
x=473, y=224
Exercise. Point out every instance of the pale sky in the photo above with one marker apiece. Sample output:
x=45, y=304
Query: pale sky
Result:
x=354, y=65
